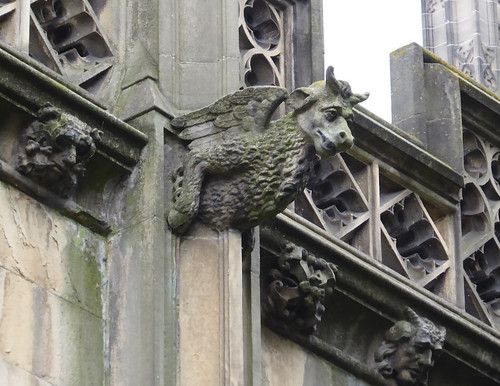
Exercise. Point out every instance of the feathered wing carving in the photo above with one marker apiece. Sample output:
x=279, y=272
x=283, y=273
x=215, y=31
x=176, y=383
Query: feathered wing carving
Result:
x=241, y=167
x=243, y=112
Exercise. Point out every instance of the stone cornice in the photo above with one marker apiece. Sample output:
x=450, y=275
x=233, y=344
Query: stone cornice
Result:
x=401, y=156
x=376, y=287
x=47, y=124
x=26, y=85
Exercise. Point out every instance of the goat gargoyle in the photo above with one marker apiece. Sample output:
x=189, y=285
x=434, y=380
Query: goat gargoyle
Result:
x=243, y=168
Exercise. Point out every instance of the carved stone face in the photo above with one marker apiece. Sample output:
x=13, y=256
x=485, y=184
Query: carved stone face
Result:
x=323, y=112
x=409, y=350
x=57, y=145
x=326, y=124
x=412, y=361
x=72, y=145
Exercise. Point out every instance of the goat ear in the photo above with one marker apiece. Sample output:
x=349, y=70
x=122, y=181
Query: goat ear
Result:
x=297, y=98
x=354, y=99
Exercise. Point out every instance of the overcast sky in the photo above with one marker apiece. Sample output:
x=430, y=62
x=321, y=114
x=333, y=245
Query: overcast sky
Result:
x=360, y=35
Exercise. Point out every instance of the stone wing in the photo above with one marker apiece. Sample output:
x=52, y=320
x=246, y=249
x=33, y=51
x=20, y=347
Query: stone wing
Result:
x=244, y=111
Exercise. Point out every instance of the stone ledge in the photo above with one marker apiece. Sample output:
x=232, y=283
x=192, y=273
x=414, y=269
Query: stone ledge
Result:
x=372, y=286
x=26, y=90
x=66, y=207
x=26, y=87
x=398, y=150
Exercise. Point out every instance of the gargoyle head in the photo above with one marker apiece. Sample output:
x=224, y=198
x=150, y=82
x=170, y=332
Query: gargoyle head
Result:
x=56, y=146
x=323, y=111
x=409, y=350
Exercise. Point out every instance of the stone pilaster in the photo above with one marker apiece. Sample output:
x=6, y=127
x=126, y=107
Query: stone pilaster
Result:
x=210, y=308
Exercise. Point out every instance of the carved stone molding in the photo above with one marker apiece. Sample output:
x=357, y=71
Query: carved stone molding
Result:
x=432, y=5
x=295, y=290
x=56, y=147
x=243, y=169
x=463, y=57
x=409, y=350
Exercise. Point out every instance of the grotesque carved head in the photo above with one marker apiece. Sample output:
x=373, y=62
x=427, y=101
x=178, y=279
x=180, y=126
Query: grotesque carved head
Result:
x=409, y=350
x=56, y=146
x=324, y=110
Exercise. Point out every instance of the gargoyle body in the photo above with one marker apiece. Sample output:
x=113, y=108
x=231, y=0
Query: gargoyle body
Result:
x=242, y=168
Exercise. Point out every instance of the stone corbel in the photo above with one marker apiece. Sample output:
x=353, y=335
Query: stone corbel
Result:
x=54, y=132
x=409, y=350
x=55, y=149
x=295, y=290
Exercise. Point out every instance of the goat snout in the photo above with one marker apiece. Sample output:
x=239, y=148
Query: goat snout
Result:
x=343, y=140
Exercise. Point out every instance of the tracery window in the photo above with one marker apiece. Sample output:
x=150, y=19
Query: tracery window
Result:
x=262, y=36
x=480, y=209
x=64, y=35
x=364, y=206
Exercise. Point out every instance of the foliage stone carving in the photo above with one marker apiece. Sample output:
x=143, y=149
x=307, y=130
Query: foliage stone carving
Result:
x=55, y=149
x=295, y=291
x=243, y=169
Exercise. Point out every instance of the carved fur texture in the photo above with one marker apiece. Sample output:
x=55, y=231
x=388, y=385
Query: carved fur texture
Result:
x=243, y=169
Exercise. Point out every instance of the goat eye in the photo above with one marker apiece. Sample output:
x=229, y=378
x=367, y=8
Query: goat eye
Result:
x=330, y=115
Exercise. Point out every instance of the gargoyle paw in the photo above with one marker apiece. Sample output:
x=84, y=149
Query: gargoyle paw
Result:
x=178, y=221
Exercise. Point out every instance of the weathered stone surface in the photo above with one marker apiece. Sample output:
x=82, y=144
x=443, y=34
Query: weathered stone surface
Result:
x=50, y=295
x=46, y=336
x=43, y=248
x=285, y=362
x=243, y=169
x=409, y=350
x=426, y=104
x=140, y=274
x=210, y=308
x=12, y=375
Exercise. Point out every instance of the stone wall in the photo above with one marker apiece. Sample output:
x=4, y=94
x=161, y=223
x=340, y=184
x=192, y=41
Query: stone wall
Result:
x=96, y=289
x=52, y=274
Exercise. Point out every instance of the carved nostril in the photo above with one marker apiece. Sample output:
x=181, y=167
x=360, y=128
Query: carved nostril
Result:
x=342, y=135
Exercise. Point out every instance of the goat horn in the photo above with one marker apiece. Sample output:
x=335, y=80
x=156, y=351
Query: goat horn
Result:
x=331, y=81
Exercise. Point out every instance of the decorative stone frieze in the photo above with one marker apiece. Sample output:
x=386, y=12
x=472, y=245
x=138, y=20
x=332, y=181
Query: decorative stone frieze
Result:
x=56, y=147
x=295, y=290
x=243, y=169
x=463, y=57
x=409, y=350
x=463, y=34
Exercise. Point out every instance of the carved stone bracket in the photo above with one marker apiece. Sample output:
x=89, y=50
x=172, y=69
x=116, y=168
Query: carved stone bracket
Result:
x=56, y=147
x=295, y=290
x=409, y=350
